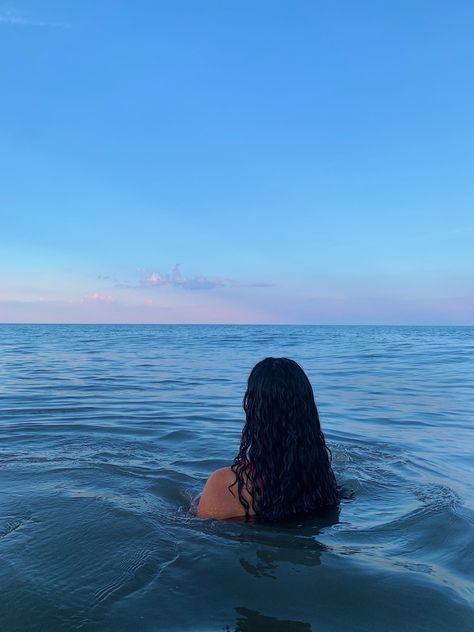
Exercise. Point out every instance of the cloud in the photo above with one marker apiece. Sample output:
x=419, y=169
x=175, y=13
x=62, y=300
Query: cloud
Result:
x=176, y=279
x=10, y=17
x=97, y=298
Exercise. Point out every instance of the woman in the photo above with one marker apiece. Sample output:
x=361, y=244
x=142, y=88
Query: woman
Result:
x=283, y=466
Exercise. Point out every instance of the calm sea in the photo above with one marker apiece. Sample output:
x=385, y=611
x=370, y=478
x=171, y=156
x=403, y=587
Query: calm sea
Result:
x=107, y=433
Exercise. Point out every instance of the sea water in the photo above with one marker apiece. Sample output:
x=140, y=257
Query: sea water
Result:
x=108, y=433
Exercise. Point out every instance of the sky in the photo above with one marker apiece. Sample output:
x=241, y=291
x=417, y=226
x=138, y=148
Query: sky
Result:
x=224, y=161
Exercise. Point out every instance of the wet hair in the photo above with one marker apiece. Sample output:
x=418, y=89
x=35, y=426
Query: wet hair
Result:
x=283, y=463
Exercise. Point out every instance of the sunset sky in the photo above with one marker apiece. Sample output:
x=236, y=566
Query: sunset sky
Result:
x=237, y=162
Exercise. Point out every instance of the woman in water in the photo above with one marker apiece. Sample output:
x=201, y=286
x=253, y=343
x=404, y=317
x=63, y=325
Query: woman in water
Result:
x=283, y=466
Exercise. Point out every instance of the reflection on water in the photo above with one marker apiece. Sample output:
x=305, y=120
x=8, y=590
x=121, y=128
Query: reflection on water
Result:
x=251, y=620
x=296, y=544
x=107, y=434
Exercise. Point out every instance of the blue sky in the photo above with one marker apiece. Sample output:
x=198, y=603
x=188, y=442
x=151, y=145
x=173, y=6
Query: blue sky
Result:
x=224, y=161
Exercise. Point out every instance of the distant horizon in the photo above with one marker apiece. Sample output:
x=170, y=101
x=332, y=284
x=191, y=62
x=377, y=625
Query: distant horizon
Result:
x=467, y=325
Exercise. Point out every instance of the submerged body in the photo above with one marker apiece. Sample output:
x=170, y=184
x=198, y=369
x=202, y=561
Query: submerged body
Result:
x=283, y=466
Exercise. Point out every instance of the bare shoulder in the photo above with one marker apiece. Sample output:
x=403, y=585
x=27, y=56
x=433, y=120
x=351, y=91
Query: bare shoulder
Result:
x=217, y=500
x=219, y=481
x=222, y=475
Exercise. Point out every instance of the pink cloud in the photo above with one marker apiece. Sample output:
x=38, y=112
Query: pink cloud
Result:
x=155, y=278
x=176, y=279
x=199, y=282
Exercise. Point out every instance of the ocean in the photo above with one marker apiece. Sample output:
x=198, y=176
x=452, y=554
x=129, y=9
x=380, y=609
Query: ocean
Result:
x=108, y=433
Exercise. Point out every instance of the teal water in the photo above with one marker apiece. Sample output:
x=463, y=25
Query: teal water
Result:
x=107, y=433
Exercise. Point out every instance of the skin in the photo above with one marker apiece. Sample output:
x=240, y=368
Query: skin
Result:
x=217, y=501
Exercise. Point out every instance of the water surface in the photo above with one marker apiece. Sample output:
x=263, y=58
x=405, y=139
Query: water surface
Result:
x=107, y=433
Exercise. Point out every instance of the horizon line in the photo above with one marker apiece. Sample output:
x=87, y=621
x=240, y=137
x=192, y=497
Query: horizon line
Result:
x=252, y=324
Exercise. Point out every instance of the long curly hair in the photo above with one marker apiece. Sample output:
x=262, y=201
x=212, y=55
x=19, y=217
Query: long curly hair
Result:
x=283, y=466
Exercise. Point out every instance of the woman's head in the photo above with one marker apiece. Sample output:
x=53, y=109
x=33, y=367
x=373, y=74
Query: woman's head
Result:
x=283, y=460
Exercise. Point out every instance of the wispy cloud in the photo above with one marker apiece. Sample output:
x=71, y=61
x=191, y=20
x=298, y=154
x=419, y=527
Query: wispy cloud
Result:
x=12, y=18
x=176, y=279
